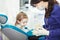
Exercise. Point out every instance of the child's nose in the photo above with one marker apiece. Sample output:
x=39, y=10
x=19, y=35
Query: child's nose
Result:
x=25, y=23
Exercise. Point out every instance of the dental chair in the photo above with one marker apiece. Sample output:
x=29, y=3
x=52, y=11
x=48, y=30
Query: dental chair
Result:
x=12, y=32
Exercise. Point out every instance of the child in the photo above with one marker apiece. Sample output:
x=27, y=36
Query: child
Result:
x=21, y=21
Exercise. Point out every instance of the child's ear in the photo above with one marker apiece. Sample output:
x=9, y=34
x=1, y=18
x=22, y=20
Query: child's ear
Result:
x=18, y=21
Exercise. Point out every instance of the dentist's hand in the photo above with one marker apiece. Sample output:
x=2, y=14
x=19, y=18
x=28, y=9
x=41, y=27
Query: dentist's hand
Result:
x=35, y=32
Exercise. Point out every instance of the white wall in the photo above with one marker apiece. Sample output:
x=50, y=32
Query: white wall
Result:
x=11, y=8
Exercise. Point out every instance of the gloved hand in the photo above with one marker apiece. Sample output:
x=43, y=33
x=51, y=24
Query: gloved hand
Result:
x=40, y=32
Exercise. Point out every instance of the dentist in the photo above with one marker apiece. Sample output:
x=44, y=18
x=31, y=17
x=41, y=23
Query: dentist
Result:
x=52, y=19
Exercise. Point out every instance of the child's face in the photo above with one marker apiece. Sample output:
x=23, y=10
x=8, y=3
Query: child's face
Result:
x=23, y=22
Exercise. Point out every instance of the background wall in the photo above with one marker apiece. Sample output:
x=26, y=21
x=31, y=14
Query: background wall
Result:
x=10, y=8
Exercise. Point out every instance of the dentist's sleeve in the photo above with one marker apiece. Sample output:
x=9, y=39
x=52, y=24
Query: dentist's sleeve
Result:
x=55, y=32
x=54, y=19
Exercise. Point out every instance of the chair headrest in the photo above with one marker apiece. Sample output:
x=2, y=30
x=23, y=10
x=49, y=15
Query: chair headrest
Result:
x=3, y=19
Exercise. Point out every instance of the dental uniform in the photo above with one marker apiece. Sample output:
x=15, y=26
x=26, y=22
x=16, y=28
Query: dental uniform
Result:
x=53, y=24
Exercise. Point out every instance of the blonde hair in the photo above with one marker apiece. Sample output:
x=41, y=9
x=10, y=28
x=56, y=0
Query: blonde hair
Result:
x=20, y=16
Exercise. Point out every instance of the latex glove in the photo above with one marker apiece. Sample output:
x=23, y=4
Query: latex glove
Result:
x=40, y=32
x=35, y=32
x=43, y=32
